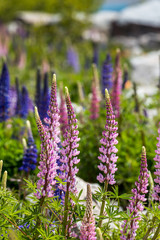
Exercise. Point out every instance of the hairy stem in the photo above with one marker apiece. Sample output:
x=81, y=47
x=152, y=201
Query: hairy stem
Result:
x=103, y=204
x=156, y=233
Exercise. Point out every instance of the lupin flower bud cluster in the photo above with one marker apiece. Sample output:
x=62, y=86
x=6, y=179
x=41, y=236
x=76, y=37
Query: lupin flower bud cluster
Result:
x=136, y=203
x=88, y=229
x=108, y=150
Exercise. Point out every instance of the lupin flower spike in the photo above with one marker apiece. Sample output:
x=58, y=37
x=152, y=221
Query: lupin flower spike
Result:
x=156, y=194
x=108, y=151
x=4, y=180
x=49, y=146
x=88, y=230
x=96, y=80
x=135, y=207
x=106, y=77
x=1, y=165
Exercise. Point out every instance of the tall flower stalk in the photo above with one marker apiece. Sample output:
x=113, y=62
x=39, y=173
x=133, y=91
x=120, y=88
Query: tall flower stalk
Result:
x=68, y=160
x=88, y=230
x=136, y=203
x=63, y=113
x=108, y=151
x=94, y=109
x=49, y=146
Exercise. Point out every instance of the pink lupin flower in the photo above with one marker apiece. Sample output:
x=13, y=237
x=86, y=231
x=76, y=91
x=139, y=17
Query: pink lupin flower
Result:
x=68, y=161
x=135, y=207
x=69, y=151
x=117, y=85
x=63, y=114
x=87, y=230
x=108, y=150
x=156, y=193
x=94, y=103
x=49, y=147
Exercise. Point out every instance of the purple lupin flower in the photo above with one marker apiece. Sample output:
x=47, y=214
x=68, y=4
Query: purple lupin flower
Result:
x=68, y=160
x=95, y=55
x=135, y=206
x=73, y=59
x=24, y=102
x=156, y=193
x=108, y=151
x=18, y=104
x=94, y=103
x=87, y=230
x=49, y=146
x=63, y=114
x=4, y=93
x=106, y=77
x=117, y=85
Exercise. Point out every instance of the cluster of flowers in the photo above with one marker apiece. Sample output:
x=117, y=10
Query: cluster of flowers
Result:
x=64, y=160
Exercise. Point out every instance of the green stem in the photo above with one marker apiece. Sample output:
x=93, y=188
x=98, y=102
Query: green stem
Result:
x=103, y=204
x=156, y=233
x=38, y=221
x=149, y=230
x=65, y=211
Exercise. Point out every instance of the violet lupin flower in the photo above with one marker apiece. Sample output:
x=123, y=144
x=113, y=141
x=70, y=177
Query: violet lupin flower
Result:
x=24, y=102
x=135, y=207
x=30, y=152
x=94, y=103
x=108, y=151
x=38, y=93
x=73, y=59
x=156, y=193
x=4, y=93
x=117, y=85
x=68, y=160
x=107, y=71
x=88, y=229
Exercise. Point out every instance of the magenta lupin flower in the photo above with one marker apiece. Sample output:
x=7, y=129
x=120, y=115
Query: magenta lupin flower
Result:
x=87, y=230
x=136, y=203
x=108, y=150
x=117, y=86
x=68, y=161
x=63, y=114
x=156, y=193
x=94, y=103
x=49, y=146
